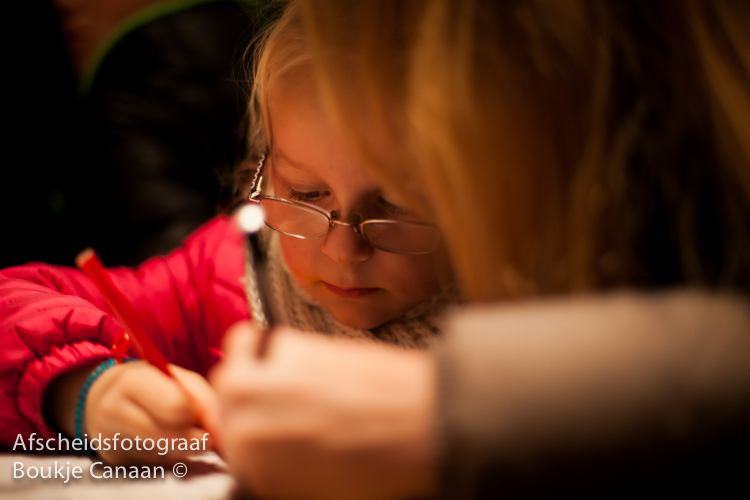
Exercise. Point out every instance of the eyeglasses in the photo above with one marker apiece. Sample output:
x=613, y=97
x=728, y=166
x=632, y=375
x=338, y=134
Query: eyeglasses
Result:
x=306, y=221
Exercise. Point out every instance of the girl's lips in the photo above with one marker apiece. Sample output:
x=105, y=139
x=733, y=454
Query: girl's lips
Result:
x=351, y=293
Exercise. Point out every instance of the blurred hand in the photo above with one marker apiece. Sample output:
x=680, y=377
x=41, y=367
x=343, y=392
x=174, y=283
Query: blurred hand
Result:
x=135, y=400
x=326, y=418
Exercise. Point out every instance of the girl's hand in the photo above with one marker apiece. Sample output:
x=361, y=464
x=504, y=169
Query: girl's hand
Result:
x=324, y=418
x=135, y=400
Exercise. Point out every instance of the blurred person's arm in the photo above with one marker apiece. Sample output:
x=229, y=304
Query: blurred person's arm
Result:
x=614, y=394
x=617, y=395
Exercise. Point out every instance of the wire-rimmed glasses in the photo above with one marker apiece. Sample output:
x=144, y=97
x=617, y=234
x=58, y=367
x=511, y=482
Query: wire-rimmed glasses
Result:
x=306, y=221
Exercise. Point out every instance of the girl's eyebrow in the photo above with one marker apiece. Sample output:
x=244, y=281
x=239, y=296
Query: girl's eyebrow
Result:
x=278, y=153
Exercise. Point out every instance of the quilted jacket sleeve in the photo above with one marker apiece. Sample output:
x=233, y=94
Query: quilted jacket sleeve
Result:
x=52, y=319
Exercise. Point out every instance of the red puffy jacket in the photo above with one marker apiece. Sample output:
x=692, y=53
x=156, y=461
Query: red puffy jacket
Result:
x=53, y=319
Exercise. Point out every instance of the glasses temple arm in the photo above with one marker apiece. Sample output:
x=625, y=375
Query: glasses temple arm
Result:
x=257, y=183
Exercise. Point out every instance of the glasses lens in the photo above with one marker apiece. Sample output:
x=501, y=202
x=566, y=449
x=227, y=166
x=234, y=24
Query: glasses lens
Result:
x=293, y=219
x=401, y=237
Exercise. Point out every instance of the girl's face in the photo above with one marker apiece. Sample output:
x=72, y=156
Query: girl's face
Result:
x=361, y=286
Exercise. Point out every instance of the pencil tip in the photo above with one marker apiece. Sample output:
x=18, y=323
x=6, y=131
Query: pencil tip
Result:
x=85, y=256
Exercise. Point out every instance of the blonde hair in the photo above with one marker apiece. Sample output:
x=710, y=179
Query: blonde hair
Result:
x=563, y=145
x=279, y=48
x=276, y=53
x=284, y=49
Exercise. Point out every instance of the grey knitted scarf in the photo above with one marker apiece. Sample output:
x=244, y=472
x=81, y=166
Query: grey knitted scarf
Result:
x=303, y=312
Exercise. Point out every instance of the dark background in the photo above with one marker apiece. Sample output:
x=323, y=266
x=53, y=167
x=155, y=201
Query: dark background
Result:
x=39, y=190
x=141, y=159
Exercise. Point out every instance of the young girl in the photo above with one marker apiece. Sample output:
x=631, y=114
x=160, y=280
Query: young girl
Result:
x=354, y=277
x=557, y=139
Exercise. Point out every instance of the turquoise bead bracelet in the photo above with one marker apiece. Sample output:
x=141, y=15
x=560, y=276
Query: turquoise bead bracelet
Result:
x=85, y=392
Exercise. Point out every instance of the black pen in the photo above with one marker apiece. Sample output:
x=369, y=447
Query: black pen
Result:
x=258, y=279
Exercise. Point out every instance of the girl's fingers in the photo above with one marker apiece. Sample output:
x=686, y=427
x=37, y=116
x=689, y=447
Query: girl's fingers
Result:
x=195, y=386
x=202, y=397
x=240, y=340
x=160, y=396
x=132, y=425
x=137, y=402
x=201, y=437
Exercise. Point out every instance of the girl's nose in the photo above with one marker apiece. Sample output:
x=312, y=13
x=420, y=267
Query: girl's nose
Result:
x=343, y=245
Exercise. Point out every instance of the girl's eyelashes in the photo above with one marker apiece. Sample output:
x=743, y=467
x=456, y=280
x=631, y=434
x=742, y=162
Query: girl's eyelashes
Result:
x=382, y=206
x=307, y=196
x=390, y=208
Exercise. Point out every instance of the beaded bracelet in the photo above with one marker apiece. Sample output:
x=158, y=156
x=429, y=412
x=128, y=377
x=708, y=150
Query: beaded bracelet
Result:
x=85, y=392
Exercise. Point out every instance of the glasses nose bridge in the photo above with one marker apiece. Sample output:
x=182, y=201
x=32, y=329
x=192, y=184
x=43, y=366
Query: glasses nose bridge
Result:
x=335, y=218
x=354, y=225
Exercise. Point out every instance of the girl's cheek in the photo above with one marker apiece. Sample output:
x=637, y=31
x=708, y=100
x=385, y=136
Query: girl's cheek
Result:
x=297, y=254
x=414, y=278
x=289, y=249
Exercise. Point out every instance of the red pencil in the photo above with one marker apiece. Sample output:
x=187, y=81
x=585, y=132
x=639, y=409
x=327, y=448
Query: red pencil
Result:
x=88, y=262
